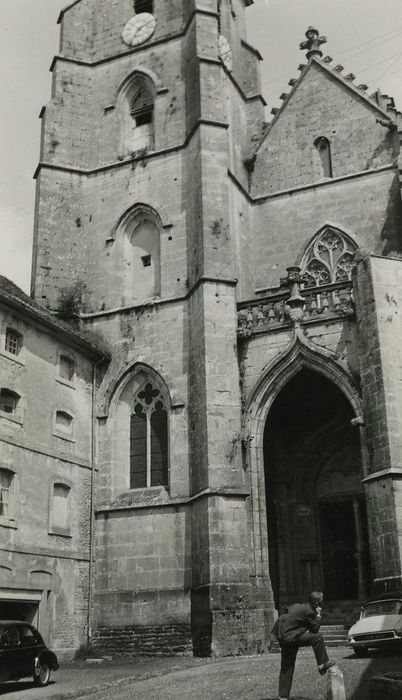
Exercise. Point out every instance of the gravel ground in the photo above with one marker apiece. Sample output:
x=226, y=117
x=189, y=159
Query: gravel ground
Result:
x=240, y=678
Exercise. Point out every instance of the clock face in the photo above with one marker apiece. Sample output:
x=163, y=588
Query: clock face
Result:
x=225, y=52
x=138, y=29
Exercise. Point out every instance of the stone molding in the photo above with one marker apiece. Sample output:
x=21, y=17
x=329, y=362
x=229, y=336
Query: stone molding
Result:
x=392, y=472
x=78, y=555
x=129, y=161
x=242, y=494
x=323, y=304
x=310, y=185
x=116, y=384
x=72, y=459
x=300, y=352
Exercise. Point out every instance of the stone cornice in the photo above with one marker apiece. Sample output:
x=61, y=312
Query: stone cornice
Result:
x=392, y=472
x=45, y=552
x=153, y=303
x=309, y=186
x=251, y=49
x=241, y=493
x=73, y=459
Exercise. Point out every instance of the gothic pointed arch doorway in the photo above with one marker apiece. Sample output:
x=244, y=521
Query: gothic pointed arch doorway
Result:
x=316, y=519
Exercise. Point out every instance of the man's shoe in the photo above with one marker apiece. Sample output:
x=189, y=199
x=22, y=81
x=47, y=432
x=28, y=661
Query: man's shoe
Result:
x=325, y=667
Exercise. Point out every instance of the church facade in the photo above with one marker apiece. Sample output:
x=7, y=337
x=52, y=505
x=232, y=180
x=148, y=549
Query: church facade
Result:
x=246, y=278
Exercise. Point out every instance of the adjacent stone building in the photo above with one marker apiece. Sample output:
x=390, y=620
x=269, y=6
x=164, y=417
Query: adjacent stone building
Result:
x=46, y=470
x=247, y=279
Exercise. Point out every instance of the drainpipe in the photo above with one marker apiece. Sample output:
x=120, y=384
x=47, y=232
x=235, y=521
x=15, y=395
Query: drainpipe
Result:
x=92, y=507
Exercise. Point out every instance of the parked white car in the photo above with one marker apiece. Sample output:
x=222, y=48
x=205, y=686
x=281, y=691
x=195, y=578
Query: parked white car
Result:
x=379, y=626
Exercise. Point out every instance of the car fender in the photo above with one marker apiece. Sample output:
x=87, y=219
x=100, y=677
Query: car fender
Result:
x=48, y=657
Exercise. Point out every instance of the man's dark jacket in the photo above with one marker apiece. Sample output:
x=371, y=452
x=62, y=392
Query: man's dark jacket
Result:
x=298, y=619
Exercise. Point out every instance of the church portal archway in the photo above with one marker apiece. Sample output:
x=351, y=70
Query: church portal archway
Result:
x=316, y=520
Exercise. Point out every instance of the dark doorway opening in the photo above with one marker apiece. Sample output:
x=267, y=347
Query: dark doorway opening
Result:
x=317, y=531
x=338, y=546
x=19, y=610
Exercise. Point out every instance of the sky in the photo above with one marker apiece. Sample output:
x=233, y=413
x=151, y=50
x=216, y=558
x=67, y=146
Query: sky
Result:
x=365, y=36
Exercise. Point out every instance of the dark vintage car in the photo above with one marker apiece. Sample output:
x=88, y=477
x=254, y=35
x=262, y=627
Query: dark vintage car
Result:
x=23, y=653
x=379, y=626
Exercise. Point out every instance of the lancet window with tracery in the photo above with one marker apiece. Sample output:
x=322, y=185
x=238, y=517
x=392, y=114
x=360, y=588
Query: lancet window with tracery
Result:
x=148, y=439
x=328, y=259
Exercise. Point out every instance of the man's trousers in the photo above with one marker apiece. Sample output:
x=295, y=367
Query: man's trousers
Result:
x=288, y=658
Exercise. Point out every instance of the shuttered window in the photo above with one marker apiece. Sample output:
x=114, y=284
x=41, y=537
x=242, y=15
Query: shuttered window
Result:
x=60, y=515
x=7, y=493
x=8, y=401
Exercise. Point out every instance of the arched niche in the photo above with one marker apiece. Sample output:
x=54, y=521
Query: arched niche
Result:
x=137, y=253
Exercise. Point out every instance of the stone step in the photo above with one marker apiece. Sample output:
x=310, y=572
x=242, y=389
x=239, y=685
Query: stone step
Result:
x=333, y=628
x=334, y=635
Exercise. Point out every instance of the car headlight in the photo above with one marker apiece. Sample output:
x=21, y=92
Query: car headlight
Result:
x=398, y=629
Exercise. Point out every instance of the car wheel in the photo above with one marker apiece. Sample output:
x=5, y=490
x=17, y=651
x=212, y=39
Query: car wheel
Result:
x=42, y=674
x=360, y=652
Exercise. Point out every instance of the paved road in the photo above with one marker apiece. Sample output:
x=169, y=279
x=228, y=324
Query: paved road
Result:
x=242, y=678
x=254, y=678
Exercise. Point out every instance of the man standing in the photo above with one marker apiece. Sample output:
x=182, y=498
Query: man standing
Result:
x=298, y=627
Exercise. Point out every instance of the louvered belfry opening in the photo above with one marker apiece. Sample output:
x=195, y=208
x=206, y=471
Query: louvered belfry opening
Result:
x=143, y=6
x=142, y=103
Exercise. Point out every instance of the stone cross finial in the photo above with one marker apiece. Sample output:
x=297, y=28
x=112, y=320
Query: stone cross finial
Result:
x=313, y=43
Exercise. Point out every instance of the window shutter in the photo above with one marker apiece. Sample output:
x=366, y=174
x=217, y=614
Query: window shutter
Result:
x=7, y=483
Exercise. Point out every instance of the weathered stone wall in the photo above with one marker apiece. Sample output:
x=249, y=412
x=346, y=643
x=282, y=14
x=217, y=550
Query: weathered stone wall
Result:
x=368, y=208
x=176, y=560
x=378, y=296
x=36, y=556
x=143, y=574
x=322, y=106
x=82, y=131
x=256, y=354
x=91, y=29
x=86, y=103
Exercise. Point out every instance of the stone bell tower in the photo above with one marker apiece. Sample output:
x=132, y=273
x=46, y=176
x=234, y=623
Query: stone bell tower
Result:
x=152, y=103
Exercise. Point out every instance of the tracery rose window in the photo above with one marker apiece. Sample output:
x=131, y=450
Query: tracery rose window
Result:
x=328, y=259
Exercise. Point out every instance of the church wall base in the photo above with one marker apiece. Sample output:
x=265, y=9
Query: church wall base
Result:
x=137, y=640
x=229, y=622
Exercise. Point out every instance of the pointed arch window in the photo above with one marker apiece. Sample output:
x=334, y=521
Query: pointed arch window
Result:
x=323, y=147
x=329, y=258
x=148, y=439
